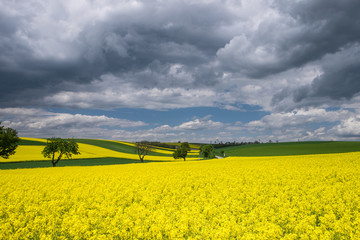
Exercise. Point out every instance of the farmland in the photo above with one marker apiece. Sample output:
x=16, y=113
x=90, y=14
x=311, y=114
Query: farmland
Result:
x=307, y=196
x=107, y=152
x=93, y=152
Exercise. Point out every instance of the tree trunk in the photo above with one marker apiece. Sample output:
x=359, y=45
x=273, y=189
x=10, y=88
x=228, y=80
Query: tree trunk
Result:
x=55, y=162
x=142, y=159
x=184, y=159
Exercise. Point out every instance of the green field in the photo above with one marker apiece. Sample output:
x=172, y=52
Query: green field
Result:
x=290, y=148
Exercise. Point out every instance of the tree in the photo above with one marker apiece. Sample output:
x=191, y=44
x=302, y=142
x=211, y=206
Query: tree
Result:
x=143, y=148
x=222, y=152
x=186, y=145
x=8, y=141
x=182, y=151
x=207, y=151
x=60, y=147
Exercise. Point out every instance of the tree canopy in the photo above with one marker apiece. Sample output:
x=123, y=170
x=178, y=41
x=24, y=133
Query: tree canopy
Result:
x=9, y=141
x=143, y=148
x=56, y=148
x=207, y=151
x=182, y=151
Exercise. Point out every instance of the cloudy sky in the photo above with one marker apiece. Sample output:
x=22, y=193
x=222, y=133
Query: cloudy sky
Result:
x=181, y=70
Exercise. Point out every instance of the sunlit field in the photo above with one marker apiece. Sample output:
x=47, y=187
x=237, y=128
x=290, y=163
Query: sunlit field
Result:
x=288, y=197
x=33, y=152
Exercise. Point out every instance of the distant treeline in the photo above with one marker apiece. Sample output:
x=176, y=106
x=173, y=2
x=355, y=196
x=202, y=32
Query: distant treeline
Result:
x=216, y=144
x=230, y=144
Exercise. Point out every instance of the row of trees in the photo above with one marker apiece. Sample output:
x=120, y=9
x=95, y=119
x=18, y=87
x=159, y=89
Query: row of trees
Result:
x=143, y=148
x=57, y=148
x=207, y=151
x=221, y=144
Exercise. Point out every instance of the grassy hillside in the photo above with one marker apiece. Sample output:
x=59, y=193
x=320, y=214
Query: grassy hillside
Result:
x=291, y=148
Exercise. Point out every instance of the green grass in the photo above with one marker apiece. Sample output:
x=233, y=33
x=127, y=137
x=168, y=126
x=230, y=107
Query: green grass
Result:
x=68, y=162
x=291, y=148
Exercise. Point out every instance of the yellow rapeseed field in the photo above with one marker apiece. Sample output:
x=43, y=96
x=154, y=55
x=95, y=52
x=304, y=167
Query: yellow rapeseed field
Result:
x=297, y=197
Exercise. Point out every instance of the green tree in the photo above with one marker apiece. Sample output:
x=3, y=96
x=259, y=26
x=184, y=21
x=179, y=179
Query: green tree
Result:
x=56, y=148
x=143, y=148
x=182, y=151
x=186, y=146
x=222, y=152
x=9, y=141
x=207, y=151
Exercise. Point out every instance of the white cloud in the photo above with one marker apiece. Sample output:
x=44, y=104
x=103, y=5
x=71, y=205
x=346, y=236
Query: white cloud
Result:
x=200, y=124
x=37, y=122
x=115, y=92
x=298, y=118
x=154, y=98
x=32, y=122
x=349, y=127
x=340, y=124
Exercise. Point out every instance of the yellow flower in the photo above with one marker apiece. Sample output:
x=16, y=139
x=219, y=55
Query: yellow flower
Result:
x=293, y=197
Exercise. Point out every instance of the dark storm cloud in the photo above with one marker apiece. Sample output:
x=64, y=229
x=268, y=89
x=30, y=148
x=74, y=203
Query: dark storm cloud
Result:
x=294, y=35
x=124, y=42
x=331, y=25
x=339, y=82
x=58, y=50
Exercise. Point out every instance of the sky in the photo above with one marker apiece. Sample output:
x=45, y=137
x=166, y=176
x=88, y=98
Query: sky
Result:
x=181, y=70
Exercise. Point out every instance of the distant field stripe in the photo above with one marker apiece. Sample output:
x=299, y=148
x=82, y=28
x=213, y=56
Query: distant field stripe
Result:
x=33, y=141
x=164, y=148
x=291, y=148
x=109, y=144
x=155, y=151
x=125, y=143
x=168, y=152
